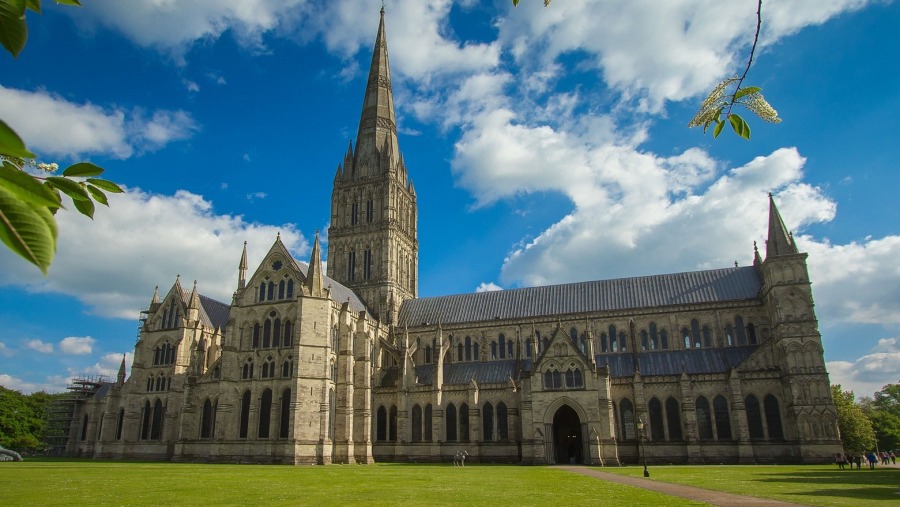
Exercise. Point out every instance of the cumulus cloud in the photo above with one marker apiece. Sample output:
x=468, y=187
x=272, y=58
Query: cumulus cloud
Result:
x=111, y=269
x=5, y=351
x=38, y=345
x=108, y=365
x=57, y=127
x=76, y=345
x=487, y=287
x=52, y=384
x=871, y=372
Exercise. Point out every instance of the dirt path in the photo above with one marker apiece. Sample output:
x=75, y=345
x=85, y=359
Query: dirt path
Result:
x=691, y=493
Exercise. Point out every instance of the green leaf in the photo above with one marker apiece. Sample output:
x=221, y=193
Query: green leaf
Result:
x=71, y=188
x=29, y=231
x=85, y=207
x=34, y=5
x=69, y=2
x=98, y=195
x=746, y=91
x=26, y=187
x=13, y=30
x=10, y=142
x=739, y=126
x=106, y=185
x=718, y=129
x=83, y=169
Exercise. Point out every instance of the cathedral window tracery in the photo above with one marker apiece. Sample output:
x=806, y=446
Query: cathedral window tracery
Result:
x=247, y=369
x=723, y=418
x=265, y=414
x=704, y=418
x=268, y=368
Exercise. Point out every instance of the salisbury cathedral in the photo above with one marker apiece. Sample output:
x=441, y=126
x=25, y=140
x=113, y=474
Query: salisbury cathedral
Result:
x=350, y=366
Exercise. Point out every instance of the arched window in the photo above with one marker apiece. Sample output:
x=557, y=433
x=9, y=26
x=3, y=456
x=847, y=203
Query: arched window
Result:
x=573, y=335
x=723, y=419
x=570, y=378
x=269, y=368
x=468, y=348
x=654, y=336
x=493, y=350
x=487, y=413
x=428, y=358
x=392, y=424
x=459, y=352
x=450, y=416
x=623, y=342
x=156, y=428
x=281, y=287
x=657, y=431
x=84, y=427
x=333, y=372
x=579, y=380
x=604, y=347
x=528, y=351
x=267, y=334
x=475, y=351
x=695, y=333
x=290, y=289
x=741, y=331
x=288, y=338
x=628, y=420
x=270, y=292
x=206, y=420
x=502, y=424
x=704, y=419
x=673, y=418
x=119, y=422
x=729, y=335
x=284, y=424
x=256, y=335
x=381, y=424
x=754, y=417
x=751, y=334
x=686, y=336
x=247, y=369
x=335, y=339
x=613, y=339
x=146, y=417
x=351, y=265
x=159, y=382
x=464, y=422
x=265, y=414
x=416, y=423
x=707, y=337
x=287, y=367
x=245, y=415
x=664, y=339
x=773, y=418
x=367, y=264
x=427, y=429
x=548, y=379
x=645, y=340
x=276, y=333
x=150, y=383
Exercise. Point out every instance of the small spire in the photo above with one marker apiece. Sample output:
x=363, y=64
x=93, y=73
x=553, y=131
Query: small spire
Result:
x=155, y=299
x=315, y=280
x=120, y=378
x=757, y=260
x=242, y=269
x=195, y=298
x=780, y=242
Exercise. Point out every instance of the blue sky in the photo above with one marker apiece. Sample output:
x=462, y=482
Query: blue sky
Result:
x=546, y=145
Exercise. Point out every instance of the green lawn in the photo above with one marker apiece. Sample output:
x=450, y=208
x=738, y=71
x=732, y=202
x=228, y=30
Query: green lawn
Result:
x=99, y=483
x=77, y=483
x=809, y=484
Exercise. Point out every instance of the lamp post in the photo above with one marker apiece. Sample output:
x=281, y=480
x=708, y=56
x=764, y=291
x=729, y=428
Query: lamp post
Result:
x=640, y=427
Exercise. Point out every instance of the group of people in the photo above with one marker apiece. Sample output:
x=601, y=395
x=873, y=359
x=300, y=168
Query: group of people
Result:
x=870, y=457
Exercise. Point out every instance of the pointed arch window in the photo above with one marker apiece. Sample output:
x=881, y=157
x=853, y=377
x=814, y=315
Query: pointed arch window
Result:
x=673, y=418
x=381, y=424
x=773, y=418
x=751, y=334
x=645, y=340
x=628, y=421
x=493, y=350
x=613, y=339
x=265, y=414
x=450, y=416
x=528, y=351
x=288, y=340
x=704, y=419
x=695, y=333
x=502, y=339
x=664, y=339
x=281, y=287
x=623, y=342
x=206, y=420
x=464, y=422
x=354, y=213
x=290, y=289
x=256, y=332
x=276, y=333
x=146, y=418
x=707, y=336
x=247, y=369
x=487, y=413
x=729, y=335
x=459, y=352
x=416, y=423
x=428, y=359
x=287, y=367
x=604, y=346
x=262, y=292
x=723, y=419
x=351, y=265
x=475, y=348
x=468, y=348
x=657, y=430
x=392, y=424
x=156, y=427
x=367, y=264
x=270, y=291
x=741, y=330
x=427, y=423
x=502, y=422
x=754, y=417
x=267, y=334
x=268, y=368
x=370, y=211
x=284, y=421
x=654, y=336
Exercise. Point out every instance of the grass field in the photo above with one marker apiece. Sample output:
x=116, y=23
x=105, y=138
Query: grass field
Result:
x=58, y=482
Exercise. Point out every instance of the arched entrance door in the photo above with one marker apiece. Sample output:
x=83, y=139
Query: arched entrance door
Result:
x=567, y=436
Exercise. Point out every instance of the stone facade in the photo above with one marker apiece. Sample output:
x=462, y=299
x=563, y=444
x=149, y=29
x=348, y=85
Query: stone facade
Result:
x=720, y=366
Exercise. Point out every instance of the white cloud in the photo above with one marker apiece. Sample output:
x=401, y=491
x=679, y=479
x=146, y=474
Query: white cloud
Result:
x=76, y=345
x=111, y=269
x=38, y=345
x=52, y=384
x=55, y=127
x=256, y=195
x=108, y=366
x=5, y=351
x=190, y=85
x=487, y=287
x=871, y=372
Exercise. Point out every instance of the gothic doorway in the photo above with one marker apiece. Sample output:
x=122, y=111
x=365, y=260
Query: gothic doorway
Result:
x=567, y=436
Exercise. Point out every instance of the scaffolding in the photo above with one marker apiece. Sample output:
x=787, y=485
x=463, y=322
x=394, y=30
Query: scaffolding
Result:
x=61, y=411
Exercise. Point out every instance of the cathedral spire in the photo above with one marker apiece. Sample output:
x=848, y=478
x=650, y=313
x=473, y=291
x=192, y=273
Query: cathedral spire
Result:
x=120, y=378
x=377, y=123
x=315, y=281
x=155, y=300
x=780, y=241
x=242, y=269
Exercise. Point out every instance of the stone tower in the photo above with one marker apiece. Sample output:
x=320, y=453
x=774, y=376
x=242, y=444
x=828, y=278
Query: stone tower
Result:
x=372, y=241
x=787, y=294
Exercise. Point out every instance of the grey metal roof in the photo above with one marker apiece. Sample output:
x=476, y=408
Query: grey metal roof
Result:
x=729, y=284
x=339, y=293
x=216, y=312
x=463, y=373
x=672, y=362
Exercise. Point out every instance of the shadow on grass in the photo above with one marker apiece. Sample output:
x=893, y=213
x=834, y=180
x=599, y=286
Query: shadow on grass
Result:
x=878, y=484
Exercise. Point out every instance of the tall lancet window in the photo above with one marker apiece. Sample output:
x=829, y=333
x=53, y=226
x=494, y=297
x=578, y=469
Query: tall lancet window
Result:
x=367, y=264
x=351, y=266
